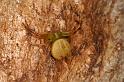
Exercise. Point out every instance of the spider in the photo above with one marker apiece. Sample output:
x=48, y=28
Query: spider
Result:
x=60, y=46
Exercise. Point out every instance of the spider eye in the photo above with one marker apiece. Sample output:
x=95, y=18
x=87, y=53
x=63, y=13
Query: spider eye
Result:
x=49, y=39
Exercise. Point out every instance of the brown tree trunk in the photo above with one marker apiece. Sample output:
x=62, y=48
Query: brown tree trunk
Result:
x=97, y=46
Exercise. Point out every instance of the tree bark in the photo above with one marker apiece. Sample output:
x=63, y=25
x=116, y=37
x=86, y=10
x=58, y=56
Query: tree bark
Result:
x=97, y=46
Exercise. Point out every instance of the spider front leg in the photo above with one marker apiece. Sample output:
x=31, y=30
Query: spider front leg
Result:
x=74, y=30
x=31, y=32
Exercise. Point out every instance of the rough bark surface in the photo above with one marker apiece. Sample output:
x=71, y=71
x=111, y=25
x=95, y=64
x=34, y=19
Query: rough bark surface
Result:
x=97, y=47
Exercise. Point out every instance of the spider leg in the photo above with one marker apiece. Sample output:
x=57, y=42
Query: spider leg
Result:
x=41, y=46
x=31, y=32
x=74, y=30
x=78, y=50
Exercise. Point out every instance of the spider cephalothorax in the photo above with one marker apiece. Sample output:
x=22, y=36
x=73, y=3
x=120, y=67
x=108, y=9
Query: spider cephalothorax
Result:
x=57, y=35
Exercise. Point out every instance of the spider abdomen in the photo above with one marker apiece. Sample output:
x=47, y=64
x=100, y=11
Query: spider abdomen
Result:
x=60, y=49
